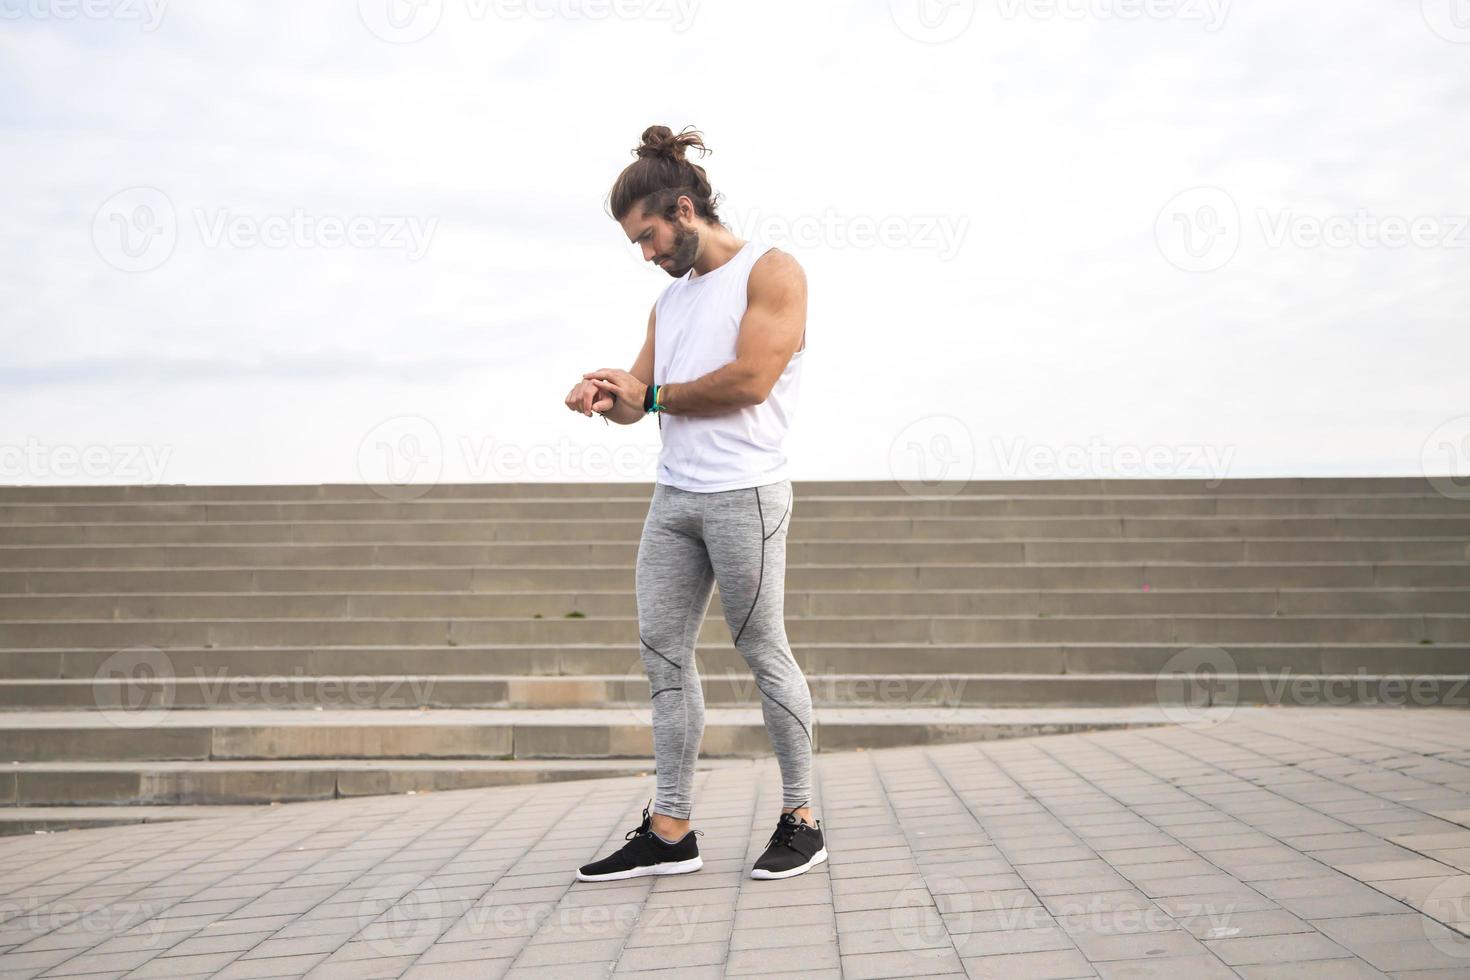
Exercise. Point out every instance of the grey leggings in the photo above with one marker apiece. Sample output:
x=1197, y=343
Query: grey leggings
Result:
x=690, y=541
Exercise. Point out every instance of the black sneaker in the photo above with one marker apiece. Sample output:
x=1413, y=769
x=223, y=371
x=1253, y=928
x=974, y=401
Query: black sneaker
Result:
x=792, y=849
x=645, y=854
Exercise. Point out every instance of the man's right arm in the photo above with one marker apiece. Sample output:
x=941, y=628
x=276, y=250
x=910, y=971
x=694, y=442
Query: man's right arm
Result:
x=642, y=369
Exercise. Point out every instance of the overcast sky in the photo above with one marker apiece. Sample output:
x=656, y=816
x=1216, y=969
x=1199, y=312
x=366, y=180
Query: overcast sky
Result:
x=279, y=241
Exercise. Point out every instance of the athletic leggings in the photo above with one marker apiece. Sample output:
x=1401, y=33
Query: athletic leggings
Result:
x=738, y=539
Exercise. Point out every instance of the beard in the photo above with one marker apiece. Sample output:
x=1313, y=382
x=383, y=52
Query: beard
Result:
x=681, y=258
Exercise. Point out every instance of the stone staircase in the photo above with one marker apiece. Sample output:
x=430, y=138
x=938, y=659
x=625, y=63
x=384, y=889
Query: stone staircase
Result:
x=178, y=648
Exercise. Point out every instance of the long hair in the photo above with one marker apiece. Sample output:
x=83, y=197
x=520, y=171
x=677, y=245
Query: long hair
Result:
x=661, y=175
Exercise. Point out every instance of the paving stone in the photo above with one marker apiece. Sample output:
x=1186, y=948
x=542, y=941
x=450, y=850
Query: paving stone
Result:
x=1284, y=845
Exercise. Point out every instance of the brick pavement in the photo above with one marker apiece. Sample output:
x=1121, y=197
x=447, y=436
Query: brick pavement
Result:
x=1289, y=844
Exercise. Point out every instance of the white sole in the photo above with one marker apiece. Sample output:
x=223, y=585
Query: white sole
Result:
x=667, y=868
x=817, y=859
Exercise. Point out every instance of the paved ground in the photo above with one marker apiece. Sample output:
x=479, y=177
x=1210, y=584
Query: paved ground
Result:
x=1295, y=843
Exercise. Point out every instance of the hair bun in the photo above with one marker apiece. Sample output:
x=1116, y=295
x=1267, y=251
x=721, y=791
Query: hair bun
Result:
x=661, y=141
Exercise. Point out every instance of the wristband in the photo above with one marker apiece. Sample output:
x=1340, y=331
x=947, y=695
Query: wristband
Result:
x=650, y=399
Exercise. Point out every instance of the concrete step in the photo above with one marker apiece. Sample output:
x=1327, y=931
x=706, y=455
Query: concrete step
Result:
x=915, y=578
x=1221, y=629
x=1245, y=486
x=454, y=733
x=217, y=781
x=532, y=507
x=879, y=659
x=551, y=605
x=266, y=605
x=51, y=819
x=1118, y=689
x=808, y=552
x=887, y=526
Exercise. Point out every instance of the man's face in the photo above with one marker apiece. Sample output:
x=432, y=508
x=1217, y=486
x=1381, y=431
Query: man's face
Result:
x=672, y=245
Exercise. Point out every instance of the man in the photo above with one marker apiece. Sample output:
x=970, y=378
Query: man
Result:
x=722, y=360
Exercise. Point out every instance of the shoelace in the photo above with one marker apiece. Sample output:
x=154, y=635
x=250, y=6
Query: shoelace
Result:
x=786, y=829
x=646, y=827
x=785, y=833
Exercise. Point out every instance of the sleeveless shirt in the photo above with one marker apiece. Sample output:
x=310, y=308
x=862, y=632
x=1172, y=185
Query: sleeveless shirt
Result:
x=696, y=327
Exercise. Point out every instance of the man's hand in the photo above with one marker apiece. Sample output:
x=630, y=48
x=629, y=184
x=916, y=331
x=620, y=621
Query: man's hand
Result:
x=628, y=390
x=586, y=397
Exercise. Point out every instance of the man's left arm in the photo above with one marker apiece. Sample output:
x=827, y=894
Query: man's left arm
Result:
x=770, y=333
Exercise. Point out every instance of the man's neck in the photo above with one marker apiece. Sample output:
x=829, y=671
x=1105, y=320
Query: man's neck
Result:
x=717, y=251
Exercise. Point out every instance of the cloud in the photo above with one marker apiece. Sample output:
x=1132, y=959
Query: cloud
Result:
x=1053, y=140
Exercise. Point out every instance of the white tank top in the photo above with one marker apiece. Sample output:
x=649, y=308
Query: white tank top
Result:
x=696, y=325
